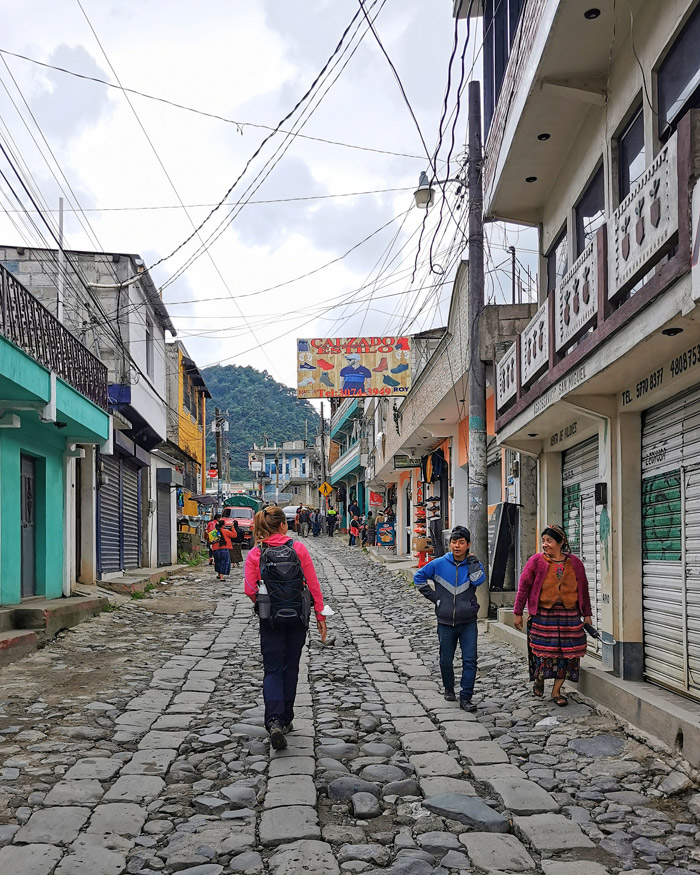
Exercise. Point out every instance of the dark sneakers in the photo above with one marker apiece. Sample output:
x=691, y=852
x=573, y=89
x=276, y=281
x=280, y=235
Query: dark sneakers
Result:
x=277, y=739
x=450, y=694
x=288, y=728
x=467, y=705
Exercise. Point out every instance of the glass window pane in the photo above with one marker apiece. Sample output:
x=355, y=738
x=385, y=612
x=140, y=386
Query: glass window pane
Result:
x=557, y=262
x=679, y=74
x=631, y=154
x=590, y=211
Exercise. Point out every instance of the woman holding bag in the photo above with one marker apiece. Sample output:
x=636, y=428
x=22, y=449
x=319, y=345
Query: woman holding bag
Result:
x=285, y=567
x=555, y=588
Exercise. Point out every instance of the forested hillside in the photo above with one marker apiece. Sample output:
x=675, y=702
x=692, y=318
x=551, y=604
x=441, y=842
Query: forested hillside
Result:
x=254, y=404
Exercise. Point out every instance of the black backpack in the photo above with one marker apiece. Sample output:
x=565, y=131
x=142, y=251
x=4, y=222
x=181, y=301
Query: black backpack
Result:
x=281, y=571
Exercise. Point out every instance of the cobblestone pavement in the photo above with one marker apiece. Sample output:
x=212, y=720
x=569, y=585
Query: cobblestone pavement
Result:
x=134, y=743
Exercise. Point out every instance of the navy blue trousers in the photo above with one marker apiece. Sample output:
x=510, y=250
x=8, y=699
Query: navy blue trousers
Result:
x=464, y=634
x=281, y=651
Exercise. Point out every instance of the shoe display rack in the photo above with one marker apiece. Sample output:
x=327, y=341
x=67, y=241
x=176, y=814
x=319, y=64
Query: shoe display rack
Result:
x=422, y=545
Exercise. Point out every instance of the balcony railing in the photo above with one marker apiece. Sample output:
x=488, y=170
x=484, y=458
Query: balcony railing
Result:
x=601, y=284
x=29, y=325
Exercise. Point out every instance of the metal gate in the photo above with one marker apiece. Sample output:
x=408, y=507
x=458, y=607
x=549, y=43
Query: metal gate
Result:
x=164, y=525
x=671, y=542
x=109, y=516
x=130, y=516
x=581, y=519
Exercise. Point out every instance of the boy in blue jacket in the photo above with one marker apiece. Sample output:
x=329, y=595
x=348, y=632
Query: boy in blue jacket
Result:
x=455, y=576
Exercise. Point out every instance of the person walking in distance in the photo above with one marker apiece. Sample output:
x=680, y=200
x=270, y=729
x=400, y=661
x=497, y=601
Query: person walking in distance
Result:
x=281, y=581
x=211, y=525
x=304, y=520
x=222, y=549
x=456, y=576
x=332, y=518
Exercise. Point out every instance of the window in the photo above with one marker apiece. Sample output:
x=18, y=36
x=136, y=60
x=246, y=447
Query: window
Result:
x=631, y=159
x=557, y=261
x=590, y=211
x=149, y=347
x=679, y=76
x=501, y=18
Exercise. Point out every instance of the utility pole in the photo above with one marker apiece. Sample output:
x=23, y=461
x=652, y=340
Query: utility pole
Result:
x=218, y=426
x=323, y=455
x=61, y=264
x=277, y=479
x=511, y=249
x=478, y=521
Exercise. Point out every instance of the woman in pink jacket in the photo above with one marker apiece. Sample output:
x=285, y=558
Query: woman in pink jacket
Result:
x=555, y=588
x=281, y=642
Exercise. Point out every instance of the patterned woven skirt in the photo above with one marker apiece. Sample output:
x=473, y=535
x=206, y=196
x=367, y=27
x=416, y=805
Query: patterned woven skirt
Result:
x=556, y=641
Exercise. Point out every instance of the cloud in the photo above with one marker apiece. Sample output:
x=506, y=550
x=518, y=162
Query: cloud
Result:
x=67, y=105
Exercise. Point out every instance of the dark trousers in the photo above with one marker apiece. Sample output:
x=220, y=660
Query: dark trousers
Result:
x=281, y=651
x=331, y=526
x=448, y=636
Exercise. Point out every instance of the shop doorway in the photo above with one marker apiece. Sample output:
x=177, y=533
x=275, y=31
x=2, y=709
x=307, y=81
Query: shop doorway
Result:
x=28, y=523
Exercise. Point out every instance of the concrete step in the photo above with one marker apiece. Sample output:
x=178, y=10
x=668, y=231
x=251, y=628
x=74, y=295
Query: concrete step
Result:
x=137, y=580
x=16, y=643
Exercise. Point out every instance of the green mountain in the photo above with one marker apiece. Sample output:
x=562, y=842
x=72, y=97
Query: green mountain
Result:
x=254, y=404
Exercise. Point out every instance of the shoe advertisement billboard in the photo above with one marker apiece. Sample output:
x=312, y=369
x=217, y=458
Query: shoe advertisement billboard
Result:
x=341, y=367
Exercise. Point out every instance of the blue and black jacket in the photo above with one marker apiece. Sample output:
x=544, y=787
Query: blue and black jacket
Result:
x=454, y=595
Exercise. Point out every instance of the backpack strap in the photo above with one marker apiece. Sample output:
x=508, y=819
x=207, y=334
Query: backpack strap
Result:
x=290, y=544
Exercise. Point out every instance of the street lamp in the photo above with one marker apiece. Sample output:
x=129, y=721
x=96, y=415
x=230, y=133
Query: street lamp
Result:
x=424, y=195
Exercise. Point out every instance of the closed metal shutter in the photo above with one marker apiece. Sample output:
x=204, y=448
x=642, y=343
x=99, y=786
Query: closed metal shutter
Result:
x=131, y=516
x=581, y=519
x=671, y=542
x=164, y=524
x=109, y=516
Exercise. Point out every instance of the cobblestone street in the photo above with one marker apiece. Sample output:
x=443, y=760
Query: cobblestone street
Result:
x=134, y=743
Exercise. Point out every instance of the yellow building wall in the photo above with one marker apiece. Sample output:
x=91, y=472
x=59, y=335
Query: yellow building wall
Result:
x=191, y=435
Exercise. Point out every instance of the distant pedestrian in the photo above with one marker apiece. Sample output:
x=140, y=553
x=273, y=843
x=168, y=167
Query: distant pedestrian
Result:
x=455, y=577
x=371, y=530
x=354, y=531
x=235, y=548
x=286, y=569
x=316, y=522
x=221, y=548
x=305, y=521
x=331, y=520
x=211, y=525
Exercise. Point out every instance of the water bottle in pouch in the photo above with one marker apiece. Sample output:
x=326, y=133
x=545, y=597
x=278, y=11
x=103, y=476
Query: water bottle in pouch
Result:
x=262, y=602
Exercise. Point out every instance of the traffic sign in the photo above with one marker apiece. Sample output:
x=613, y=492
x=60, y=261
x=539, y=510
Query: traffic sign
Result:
x=325, y=489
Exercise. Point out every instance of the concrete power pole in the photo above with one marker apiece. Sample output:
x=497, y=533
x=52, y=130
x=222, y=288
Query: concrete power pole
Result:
x=323, y=456
x=478, y=521
x=218, y=420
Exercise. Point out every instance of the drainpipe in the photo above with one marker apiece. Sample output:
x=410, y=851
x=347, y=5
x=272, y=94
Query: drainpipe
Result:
x=71, y=452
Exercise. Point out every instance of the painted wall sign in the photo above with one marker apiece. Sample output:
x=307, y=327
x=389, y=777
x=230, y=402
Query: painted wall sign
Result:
x=563, y=434
x=563, y=387
x=666, y=374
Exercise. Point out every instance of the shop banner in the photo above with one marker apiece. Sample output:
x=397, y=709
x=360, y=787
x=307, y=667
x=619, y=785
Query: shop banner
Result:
x=695, y=243
x=342, y=367
x=375, y=499
x=385, y=535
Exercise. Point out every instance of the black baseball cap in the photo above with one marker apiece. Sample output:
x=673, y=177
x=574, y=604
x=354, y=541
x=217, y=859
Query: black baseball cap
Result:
x=459, y=532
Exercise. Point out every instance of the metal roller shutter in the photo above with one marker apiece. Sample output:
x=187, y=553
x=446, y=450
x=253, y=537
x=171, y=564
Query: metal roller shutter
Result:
x=581, y=520
x=671, y=542
x=108, y=505
x=164, y=525
x=131, y=516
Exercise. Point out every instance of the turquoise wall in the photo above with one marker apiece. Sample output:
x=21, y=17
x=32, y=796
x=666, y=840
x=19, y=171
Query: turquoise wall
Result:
x=33, y=439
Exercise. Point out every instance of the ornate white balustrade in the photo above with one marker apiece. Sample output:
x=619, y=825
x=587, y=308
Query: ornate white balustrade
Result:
x=534, y=346
x=576, y=298
x=506, y=377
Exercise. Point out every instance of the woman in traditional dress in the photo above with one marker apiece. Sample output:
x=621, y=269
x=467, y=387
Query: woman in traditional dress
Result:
x=554, y=587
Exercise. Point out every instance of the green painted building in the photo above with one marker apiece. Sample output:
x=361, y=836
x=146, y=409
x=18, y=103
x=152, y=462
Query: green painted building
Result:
x=53, y=399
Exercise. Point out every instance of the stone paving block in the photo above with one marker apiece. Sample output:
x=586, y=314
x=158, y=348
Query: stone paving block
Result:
x=135, y=788
x=498, y=770
x=29, y=859
x=173, y=721
x=430, y=764
x=157, y=739
x=122, y=818
x=440, y=784
x=153, y=700
x=83, y=792
x=482, y=753
x=142, y=719
x=522, y=796
x=297, y=745
x=413, y=724
x=200, y=845
x=150, y=762
x=99, y=768
x=453, y=715
x=573, y=867
x=91, y=859
x=424, y=742
x=496, y=853
x=304, y=858
x=465, y=731
x=290, y=790
x=291, y=766
x=280, y=825
x=61, y=825
x=469, y=810
x=191, y=699
x=400, y=709
x=551, y=832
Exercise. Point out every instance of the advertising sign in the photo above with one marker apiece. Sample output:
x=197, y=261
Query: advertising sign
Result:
x=385, y=535
x=342, y=367
x=406, y=462
x=375, y=499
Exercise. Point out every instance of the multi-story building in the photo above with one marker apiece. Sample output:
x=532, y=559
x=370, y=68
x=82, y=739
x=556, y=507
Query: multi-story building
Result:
x=593, y=137
x=186, y=416
x=292, y=471
x=53, y=400
x=110, y=303
x=349, y=431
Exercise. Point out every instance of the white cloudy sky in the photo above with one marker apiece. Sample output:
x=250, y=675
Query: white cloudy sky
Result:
x=248, y=61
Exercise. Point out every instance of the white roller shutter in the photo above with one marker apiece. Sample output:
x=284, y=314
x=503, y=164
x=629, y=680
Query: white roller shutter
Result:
x=580, y=516
x=671, y=542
